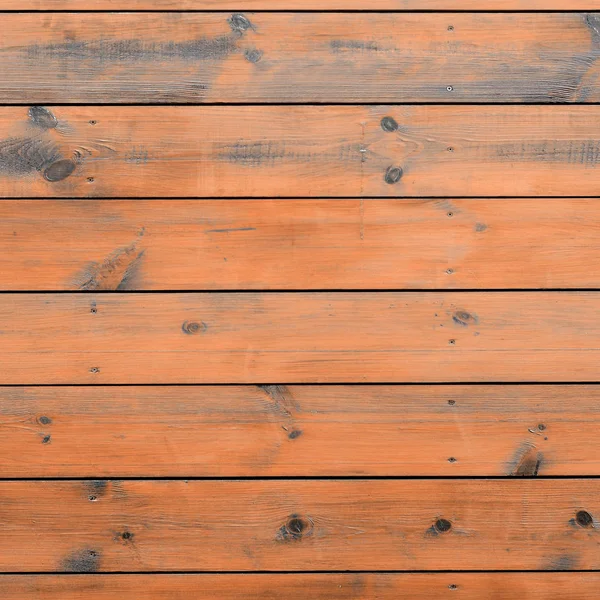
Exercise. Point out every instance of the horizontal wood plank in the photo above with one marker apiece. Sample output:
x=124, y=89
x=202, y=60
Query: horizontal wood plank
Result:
x=302, y=5
x=116, y=58
x=299, y=431
x=299, y=244
x=329, y=586
x=299, y=337
x=166, y=525
x=296, y=151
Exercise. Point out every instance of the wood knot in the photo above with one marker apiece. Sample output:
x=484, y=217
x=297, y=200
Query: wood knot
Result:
x=393, y=175
x=253, y=55
x=45, y=420
x=59, y=170
x=193, y=327
x=42, y=117
x=389, y=124
x=584, y=519
x=442, y=526
x=126, y=536
x=295, y=528
x=294, y=434
x=239, y=22
x=463, y=318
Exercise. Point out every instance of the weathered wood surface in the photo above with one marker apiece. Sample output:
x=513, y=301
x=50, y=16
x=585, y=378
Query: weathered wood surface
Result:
x=335, y=337
x=327, y=586
x=296, y=151
x=299, y=244
x=299, y=57
x=363, y=5
x=210, y=525
x=299, y=431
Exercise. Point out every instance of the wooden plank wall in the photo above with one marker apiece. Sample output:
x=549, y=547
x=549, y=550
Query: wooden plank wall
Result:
x=299, y=299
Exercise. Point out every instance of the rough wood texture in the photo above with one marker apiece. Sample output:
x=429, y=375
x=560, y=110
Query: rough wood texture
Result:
x=301, y=57
x=299, y=337
x=299, y=431
x=362, y=5
x=166, y=525
x=299, y=151
x=356, y=586
x=299, y=244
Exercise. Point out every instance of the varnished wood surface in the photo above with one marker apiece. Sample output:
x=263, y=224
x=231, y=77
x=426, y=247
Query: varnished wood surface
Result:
x=299, y=244
x=299, y=431
x=299, y=151
x=299, y=57
x=336, y=337
x=514, y=524
x=329, y=586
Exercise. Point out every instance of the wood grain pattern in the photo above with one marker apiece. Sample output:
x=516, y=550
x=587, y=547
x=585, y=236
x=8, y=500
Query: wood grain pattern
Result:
x=300, y=57
x=299, y=431
x=299, y=337
x=363, y=5
x=296, y=151
x=330, y=586
x=299, y=244
x=150, y=525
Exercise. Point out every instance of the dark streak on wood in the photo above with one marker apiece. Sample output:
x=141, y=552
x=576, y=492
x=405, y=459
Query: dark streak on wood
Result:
x=527, y=461
x=284, y=402
x=42, y=117
x=120, y=271
x=565, y=562
x=86, y=560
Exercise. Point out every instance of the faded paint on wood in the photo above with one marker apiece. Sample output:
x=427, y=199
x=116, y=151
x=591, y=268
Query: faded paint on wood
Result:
x=304, y=431
x=302, y=5
x=296, y=151
x=337, y=337
x=302, y=57
x=514, y=524
x=298, y=244
x=329, y=586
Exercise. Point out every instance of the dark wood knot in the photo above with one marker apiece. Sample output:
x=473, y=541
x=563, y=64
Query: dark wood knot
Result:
x=389, y=124
x=59, y=170
x=193, y=327
x=295, y=528
x=253, y=55
x=42, y=117
x=393, y=174
x=462, y=317
x=239, y=22
x=442, y=526
x=584, y=519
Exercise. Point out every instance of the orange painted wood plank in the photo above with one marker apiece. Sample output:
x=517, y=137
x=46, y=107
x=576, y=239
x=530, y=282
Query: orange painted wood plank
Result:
x=299, y=151
x=117, y=58
x=299, y=431
x=328, y=586
x=299, y=244
x=166, y=525
x=301, y=5
x=336, y=337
